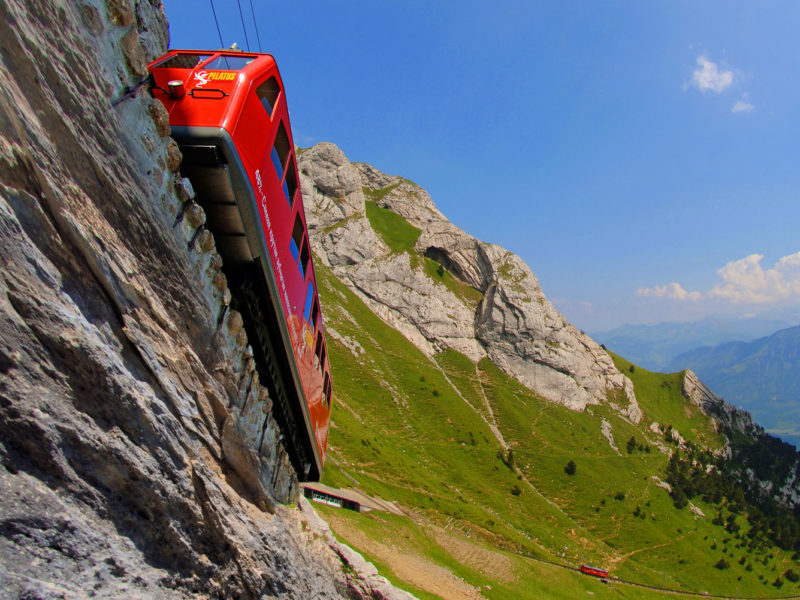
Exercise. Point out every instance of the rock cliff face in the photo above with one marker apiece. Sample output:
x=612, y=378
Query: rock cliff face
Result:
x=715, y=407
x=783, y=487
x=138, y=456
x=493, y=307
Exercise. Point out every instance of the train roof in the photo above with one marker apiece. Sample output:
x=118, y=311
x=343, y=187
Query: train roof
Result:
x=214, y=60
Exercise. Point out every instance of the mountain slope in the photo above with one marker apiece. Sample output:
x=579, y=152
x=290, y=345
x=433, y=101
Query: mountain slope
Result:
x=444, y=289
x=507, y=482
x=762, y=376
x=477, y=461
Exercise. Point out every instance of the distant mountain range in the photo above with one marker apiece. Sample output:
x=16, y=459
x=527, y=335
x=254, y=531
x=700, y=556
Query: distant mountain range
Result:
x=656, y=347
x=762, y=376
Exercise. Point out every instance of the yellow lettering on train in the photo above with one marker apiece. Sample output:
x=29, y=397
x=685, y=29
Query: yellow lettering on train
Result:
x=221, y=76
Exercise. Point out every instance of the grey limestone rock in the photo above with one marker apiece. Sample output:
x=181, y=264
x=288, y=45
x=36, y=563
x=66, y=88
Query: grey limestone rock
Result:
x=497, y=308
x=714, y=406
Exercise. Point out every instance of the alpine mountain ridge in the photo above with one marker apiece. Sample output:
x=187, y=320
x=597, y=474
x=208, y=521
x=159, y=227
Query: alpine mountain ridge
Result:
x=494, y=307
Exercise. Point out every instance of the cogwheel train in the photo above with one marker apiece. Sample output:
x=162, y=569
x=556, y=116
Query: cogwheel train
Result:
x=228, y=113
x=594, y=571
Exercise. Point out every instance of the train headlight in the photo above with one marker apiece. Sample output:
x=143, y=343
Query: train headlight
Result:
x=176, y=88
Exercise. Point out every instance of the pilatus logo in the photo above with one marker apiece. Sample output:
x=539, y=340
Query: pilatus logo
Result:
x=203, y=77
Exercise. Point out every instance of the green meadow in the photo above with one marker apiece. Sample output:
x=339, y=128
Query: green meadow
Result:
x=506, y=493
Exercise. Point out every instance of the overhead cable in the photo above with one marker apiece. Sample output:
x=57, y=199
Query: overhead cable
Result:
x=255, y=24
x=221, y=43
x=241, y=16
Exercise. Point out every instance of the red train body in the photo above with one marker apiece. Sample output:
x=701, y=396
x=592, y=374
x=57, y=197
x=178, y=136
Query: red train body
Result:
x=595, y=571
x=228, y=112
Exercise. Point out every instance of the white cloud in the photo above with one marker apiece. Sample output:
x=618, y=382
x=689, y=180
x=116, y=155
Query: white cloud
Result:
x=745, y=281
x=709, y=77
x=742, y=106
x=673, y=290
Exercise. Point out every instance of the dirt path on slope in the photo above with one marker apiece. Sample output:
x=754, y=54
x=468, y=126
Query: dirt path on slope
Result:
x=417, y=570
x=406, y=567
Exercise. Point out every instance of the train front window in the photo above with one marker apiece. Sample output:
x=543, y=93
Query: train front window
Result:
x=229, y=63
x=268, y=92
x=183, y=61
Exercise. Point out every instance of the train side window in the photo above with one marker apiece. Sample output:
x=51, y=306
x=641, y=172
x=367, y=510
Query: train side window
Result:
x=276, y=162
x=314, y=315
x=184, y=61
x=318, y=352
x=280, y=150
x=297, y=237
x=299, y=246
x=290, y=184
x=268, y=92
x=305, y=256
x=326, y=389
x=322, y=357
x=309, y=301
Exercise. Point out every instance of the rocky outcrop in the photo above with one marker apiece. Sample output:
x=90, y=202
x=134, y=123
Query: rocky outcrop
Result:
x=495, y=308
x=748, y=446
x=138, y=456
x=715, y=407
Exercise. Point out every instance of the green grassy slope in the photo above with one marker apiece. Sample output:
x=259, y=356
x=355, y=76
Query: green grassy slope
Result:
x=416, y=430
x=659, y=395
x=488, y=507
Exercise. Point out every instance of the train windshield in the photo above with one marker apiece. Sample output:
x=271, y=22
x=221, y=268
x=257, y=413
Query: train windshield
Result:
x=184, y=61
x=222, y=62
x=229, y=63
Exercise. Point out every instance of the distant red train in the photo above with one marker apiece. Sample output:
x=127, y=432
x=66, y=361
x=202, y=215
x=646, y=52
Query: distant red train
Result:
x=228, y=113
x=595, y=571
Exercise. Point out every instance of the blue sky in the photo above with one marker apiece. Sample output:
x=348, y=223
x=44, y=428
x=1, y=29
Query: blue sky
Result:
x=641, y=157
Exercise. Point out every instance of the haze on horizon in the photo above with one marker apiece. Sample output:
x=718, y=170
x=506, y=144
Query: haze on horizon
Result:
x=640, y=157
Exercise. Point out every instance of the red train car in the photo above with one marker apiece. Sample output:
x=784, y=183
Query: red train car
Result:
x=595, y=571
x=228, y=113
